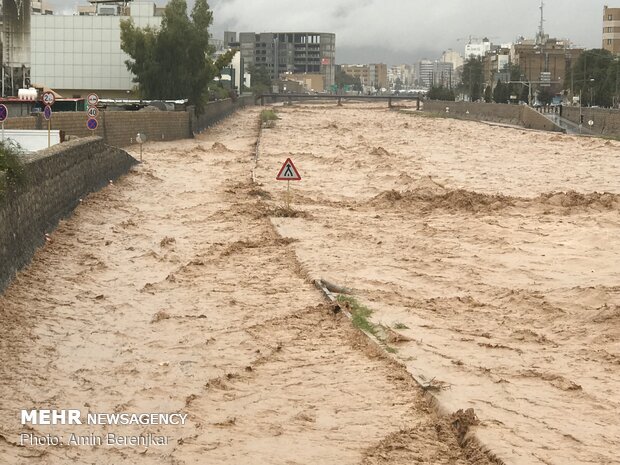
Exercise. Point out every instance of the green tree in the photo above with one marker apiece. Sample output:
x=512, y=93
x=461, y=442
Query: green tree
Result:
x=344, y=79
x=545, y=96
x=472, y=78
x=174, y=61
x=498, y=92
x=260, y=79
x=502, y=92
x=11, y=168
x=596, y=75
x=488, y=94
x=398, y=85
x=441, y=93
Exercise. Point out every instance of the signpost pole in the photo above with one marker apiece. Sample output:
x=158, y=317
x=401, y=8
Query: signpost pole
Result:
x=4, y=114
x=288, y=173
x=49, y=129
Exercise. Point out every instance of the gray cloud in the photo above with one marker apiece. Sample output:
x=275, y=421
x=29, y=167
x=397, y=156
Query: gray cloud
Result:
x=395, y=31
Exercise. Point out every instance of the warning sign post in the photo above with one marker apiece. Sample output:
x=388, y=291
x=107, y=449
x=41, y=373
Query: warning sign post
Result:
x=288, y=173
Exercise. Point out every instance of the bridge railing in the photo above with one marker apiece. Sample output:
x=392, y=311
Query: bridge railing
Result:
x=337, y=97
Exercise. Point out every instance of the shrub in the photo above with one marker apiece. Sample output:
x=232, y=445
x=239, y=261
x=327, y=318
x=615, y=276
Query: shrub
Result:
x=10, y=165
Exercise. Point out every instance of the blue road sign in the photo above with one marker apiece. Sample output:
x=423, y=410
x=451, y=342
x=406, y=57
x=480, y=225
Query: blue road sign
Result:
x=4, y=113
x=47, y=113
x=92, y=124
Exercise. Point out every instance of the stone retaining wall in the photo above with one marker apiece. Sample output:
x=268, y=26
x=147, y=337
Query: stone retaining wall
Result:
x=55, y=180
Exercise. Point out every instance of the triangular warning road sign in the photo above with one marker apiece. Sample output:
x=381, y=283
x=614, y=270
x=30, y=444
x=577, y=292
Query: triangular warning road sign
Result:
x=288, y=172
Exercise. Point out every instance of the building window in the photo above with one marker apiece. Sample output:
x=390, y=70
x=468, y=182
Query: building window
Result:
x=608, y=41
x=609, y=18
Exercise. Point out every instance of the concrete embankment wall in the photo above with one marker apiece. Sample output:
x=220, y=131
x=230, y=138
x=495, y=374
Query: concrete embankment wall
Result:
x=606, y=121
x=119, y=128
x=216, y=111
x=508, y=114
x=55, y=180
x=520, y=115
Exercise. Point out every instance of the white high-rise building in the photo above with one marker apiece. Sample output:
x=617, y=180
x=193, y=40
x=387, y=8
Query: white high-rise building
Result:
x=477, y=48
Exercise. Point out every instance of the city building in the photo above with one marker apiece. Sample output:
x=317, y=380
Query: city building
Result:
x=77, y=54
x=435, y=73
x=290, y=52
x=477, y=48
x=496, y=65
x=611, y=29
x=544, y=64
x=401, y=75
x=425, y=73
x=307, y=82
x=373, y=76
x=16, y=15
x=454, y=57
x=41, y=8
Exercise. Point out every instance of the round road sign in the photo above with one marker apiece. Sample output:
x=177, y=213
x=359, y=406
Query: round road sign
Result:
x=591, y=123
x=92, y=124
x=4, y=113
x=92, y=112
x=92, y=99
x=47, y=113
x=48, y=98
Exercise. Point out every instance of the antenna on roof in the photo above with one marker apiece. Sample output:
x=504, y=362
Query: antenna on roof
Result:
x=540, y=38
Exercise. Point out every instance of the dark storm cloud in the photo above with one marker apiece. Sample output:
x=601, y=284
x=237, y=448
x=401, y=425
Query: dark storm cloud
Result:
x=396, y=31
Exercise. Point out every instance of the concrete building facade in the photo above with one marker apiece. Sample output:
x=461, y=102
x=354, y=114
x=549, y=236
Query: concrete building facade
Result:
x=372, y=76
x=405, y=74
x=477, y=48
x=78, y=54
x=435, y=73
x=291, y=52
x=544, y=65
x=611, y=29
x=16, y=31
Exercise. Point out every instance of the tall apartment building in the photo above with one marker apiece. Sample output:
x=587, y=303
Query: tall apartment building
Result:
x=435, y=73
x=291, y=52
x=425, y=73
x=611, y=29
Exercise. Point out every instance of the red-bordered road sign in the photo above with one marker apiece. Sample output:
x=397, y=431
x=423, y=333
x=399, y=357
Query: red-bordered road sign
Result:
x=4, y=113
x=92, y=112
x=288, y=172
x=92, y=99
x=48, y=98
x=47, y=113
x=92, y=124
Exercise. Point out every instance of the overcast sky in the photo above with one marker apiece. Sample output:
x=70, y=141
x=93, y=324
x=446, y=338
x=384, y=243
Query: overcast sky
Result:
x=404, y=31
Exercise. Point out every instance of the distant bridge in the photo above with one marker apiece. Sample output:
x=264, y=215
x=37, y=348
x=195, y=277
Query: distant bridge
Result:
x=272, y=98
